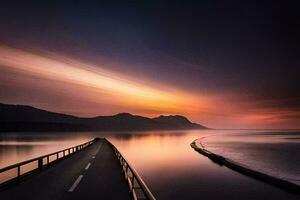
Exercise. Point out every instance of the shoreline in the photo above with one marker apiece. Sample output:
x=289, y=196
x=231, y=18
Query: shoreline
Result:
x=222, y=161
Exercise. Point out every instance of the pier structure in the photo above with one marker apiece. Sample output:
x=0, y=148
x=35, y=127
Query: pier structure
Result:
x=95, y=169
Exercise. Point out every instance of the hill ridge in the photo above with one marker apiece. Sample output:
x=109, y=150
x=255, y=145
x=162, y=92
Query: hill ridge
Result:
x=29, y=118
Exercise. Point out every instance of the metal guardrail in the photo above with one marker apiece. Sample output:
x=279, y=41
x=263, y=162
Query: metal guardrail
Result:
x=137, y=186
x=21, y=169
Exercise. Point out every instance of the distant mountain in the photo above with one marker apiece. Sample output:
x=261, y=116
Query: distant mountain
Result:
x=27, y=118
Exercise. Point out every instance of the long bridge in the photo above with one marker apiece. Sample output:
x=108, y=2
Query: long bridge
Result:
x=95, y=169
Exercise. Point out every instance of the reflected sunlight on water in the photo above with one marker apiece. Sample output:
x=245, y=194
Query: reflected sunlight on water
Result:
x=274, y=152
x=18, y=147
x=164, y=159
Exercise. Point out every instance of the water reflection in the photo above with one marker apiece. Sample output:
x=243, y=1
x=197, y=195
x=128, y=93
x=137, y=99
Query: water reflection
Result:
x=157, y=151
x=165, y=160
x=274, y=154
x=17, y=147
x=173, y=170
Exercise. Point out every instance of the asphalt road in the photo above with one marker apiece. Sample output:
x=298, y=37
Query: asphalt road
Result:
x=93, y=173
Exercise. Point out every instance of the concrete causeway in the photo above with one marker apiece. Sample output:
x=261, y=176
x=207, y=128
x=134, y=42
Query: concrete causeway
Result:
x=94, y=172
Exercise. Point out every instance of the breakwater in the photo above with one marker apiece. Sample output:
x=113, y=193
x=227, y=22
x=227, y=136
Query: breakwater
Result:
x=222, y=161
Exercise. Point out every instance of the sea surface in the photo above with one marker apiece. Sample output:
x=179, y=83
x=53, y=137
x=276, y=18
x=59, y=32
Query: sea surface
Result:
x=172, y=169
x=275, y=153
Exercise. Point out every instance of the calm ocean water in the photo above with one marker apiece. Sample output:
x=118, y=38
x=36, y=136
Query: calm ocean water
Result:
x=276, y=153
x=171, y=168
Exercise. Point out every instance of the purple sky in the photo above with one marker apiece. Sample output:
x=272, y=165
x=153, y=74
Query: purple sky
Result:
x=224, y=64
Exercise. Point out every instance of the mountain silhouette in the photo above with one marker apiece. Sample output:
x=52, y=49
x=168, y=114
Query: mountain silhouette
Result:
x=27, y=118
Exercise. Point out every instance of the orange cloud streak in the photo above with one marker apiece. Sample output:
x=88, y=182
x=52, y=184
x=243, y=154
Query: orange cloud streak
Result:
x=122, y=90
x=88, y=86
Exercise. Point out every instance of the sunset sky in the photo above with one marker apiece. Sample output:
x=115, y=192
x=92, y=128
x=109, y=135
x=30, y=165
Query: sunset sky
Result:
x=226, y=64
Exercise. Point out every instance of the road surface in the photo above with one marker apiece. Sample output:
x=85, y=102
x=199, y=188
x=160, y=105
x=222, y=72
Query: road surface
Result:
x=93, y=173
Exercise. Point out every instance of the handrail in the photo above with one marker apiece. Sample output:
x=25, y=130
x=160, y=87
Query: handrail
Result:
x=40, y=160
x=133, y=177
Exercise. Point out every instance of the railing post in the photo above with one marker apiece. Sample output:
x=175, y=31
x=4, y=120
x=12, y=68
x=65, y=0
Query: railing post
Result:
x=40, y=163
x=126, y=172
x=132, y=182
x=132, y=177
x=19, y=171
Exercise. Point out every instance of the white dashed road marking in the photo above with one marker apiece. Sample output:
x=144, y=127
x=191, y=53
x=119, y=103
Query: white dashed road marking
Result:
x=88, y=165
x=72, y=188
x=97, y=151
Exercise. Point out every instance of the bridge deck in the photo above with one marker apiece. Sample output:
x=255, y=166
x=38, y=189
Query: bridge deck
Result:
x=91, y=173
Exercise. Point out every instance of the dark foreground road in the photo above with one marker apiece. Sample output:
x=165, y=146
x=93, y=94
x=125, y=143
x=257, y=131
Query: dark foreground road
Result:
x=93, y=173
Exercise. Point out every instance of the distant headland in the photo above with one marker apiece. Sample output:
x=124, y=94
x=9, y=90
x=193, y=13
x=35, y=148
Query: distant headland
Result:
x=27, y=118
